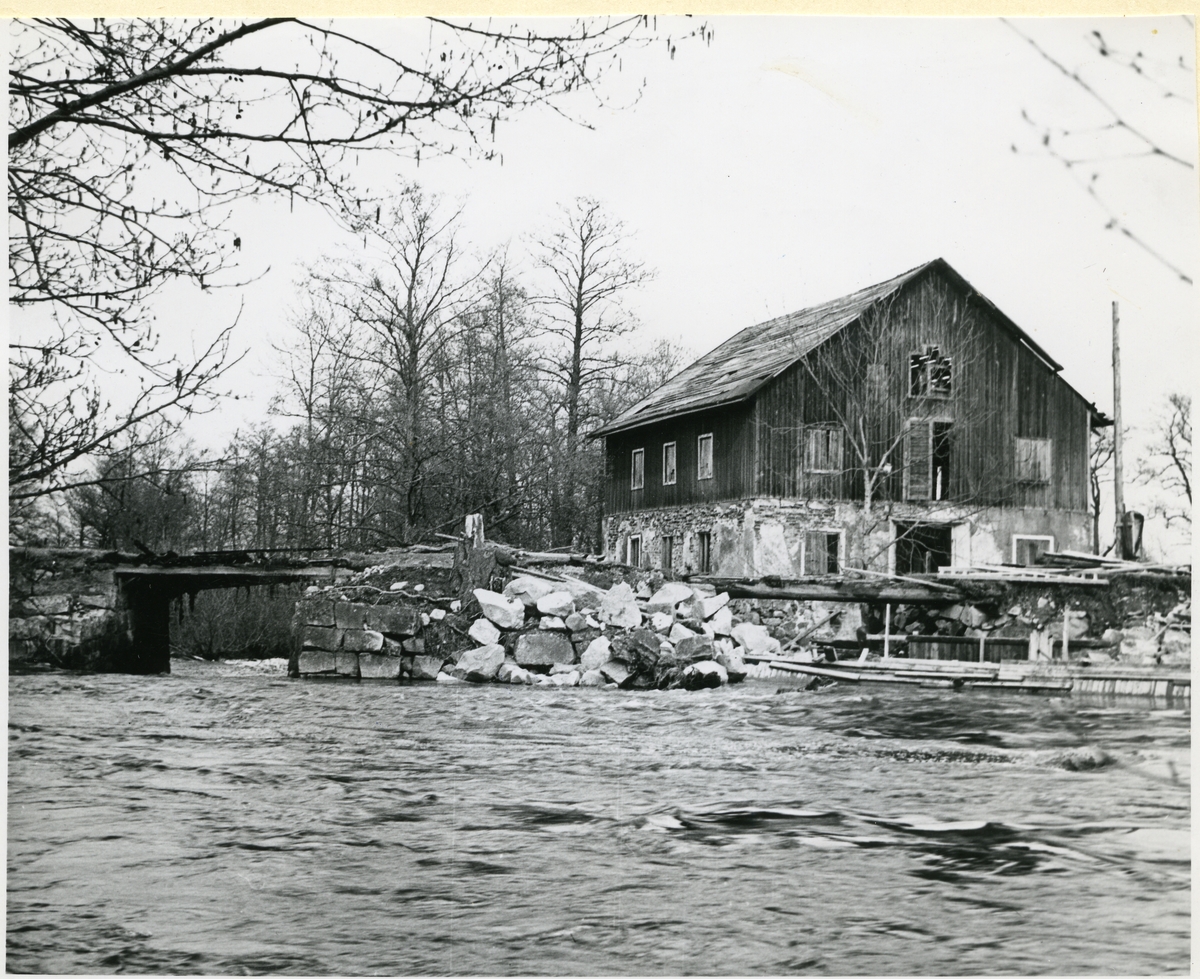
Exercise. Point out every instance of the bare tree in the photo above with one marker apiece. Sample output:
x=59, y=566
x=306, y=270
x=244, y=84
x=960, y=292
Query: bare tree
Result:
x=1100, y=458
x=128, y=141
x=1168, y=462
x=1085, y=169
x=589, y=274
x=407, y=299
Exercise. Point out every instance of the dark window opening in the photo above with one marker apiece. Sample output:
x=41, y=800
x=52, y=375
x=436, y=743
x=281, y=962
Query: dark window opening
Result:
x=942, y=442
x=668, y=549
x=929, y=374
x=635, y=551
x=704, y=551
x=922, y=548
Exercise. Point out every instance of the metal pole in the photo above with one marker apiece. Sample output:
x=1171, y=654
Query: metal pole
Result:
x=1118, y=469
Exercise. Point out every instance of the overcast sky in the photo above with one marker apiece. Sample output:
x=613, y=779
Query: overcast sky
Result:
x=796, y=159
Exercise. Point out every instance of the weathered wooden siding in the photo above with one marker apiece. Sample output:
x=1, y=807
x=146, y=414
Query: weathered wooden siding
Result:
x=1001, y=391
x=733, y=455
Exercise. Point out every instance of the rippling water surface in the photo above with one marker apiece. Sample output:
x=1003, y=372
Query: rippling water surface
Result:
x=227, y=820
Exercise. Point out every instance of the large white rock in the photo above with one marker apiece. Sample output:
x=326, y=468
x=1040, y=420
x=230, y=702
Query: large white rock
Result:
x=557, y=603
x=529, y=589
x=479, y=665
x=619, y=608
x=484, y=632
x=570, y=679
x=615, y=671
x=447, y=678
x=592, y=678
x=668, y=596
x=713, y=605
x=721, y=622
x=510, y=672
x=507, y=613
x=735, y=666
x=662, y=621
x=586, y=596
x=706, y=673
x=598, y=652
x=679, y=631
x=755, y=638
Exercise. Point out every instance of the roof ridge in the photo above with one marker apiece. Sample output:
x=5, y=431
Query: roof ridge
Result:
x=725, y=385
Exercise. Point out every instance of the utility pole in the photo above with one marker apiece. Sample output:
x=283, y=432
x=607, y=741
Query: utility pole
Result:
x=1118, y=484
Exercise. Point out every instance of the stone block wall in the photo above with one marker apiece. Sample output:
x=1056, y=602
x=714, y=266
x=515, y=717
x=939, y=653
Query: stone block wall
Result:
x=360, y=632
x=65, y=609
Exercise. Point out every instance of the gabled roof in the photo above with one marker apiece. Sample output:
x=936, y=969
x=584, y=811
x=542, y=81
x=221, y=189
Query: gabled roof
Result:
x=748, y=360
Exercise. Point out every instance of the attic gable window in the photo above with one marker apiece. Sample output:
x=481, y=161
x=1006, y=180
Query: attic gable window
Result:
x=704, y=457
x=929, y=374
x=637, y=477
x=668, y=464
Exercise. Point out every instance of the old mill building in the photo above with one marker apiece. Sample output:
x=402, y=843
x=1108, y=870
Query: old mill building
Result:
x=908, y=426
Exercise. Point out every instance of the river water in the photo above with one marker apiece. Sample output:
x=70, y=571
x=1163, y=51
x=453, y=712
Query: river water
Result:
x=226, y=819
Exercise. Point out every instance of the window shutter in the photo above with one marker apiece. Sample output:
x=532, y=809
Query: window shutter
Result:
x=918, y=482
x=815, y=553
x=1034, y=458
x=822, y=449
x=1044, y=460
x=810, y=449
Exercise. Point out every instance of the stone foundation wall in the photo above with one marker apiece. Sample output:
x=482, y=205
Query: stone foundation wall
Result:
x=65, y=609
x=752, y=538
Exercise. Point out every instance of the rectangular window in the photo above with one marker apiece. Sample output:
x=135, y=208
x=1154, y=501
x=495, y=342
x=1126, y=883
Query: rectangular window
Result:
x=823, y=449
x=1034, y=458
x=922, y=548
x=821, y=548
x=929, y=374
x=637, y=478
x=1027, y=547
x=704, y=457
x=704, y=551
x=668, y=464
x=635, y=551
x=941, y=444
x=668, y=553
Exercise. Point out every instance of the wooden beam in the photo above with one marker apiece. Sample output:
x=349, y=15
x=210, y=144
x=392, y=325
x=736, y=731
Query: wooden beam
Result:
x=846, y=591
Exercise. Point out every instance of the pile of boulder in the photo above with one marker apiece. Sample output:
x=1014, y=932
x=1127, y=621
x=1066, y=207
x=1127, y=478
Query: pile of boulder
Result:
x=570, y=633
x=538, y=631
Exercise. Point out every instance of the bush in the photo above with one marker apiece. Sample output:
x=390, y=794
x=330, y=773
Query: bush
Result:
x=236, y=623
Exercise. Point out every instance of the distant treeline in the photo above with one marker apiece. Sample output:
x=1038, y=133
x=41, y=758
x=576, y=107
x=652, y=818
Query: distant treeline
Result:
x=418, y=387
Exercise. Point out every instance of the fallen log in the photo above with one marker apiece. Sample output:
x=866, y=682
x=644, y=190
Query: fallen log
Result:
x=882, y=591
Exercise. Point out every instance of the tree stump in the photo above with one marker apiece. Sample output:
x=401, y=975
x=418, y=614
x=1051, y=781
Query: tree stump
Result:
x=475, y=563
